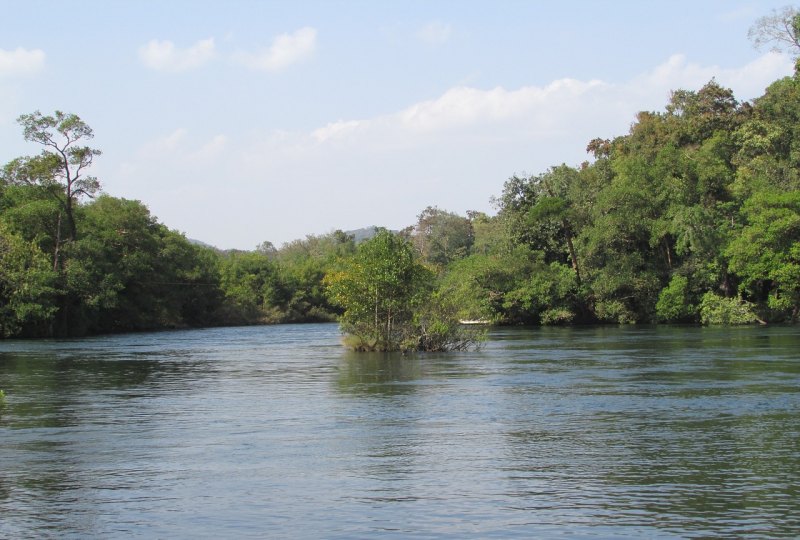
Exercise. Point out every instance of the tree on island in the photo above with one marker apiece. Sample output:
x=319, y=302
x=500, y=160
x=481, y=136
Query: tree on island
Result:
x=389, y=303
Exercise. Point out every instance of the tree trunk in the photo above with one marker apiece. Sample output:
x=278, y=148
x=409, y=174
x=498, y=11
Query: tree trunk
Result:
x=572, y=255
x=73, y=230
x=57, y=250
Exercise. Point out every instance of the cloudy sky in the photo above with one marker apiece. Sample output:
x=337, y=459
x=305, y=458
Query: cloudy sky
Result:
x=243, y=121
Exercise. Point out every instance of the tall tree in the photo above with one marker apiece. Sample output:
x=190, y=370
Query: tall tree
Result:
x=61, y=166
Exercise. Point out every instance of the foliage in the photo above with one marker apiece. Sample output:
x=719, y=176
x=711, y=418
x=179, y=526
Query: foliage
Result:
x=674, y=302
x=766, y=254
x=60, y=168
x=439, y=329
x=388, y=302
x=250, y=284
x=27, y=285
x=441, y=237
x=715, y=309
x=380, y=288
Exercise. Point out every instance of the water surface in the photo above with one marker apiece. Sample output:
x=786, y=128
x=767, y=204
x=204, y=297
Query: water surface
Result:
x=278, y=432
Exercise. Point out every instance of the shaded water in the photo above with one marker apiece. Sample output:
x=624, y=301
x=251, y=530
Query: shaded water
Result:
x=278, y=432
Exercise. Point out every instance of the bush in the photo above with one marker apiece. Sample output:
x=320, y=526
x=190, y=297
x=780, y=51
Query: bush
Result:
x=673, y=302
x=715, y=309
x=388, y=303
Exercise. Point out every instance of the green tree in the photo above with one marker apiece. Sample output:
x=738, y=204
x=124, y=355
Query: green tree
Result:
x=674, y=301
x=251, y=284
x=380, y=288
x=766, y=255
x=27, y=286
x=389, y=302
x=441, y=237
x=512, y=288
x=61, y=166
x=715, y=310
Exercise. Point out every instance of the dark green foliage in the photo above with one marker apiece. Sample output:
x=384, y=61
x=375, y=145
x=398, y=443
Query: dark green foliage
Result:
x=691, y=216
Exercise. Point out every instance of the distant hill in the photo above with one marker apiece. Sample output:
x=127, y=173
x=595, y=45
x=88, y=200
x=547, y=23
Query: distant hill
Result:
x=200, y=243
x=359, y=235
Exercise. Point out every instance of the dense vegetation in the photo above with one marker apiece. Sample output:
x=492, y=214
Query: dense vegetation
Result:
x=693, y=216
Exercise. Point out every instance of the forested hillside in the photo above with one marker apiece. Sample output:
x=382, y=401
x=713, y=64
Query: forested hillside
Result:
x=693, y=216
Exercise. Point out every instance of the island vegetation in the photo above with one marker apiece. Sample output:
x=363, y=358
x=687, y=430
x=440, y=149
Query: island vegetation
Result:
x=693, y=216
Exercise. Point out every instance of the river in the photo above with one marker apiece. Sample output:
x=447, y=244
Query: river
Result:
x=278, y=432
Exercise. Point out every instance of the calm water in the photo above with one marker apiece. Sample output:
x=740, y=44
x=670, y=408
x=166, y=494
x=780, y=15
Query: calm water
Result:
x=278, y=432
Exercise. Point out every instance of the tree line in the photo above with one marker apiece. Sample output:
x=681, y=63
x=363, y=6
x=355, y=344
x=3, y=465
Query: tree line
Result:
x=693, y=216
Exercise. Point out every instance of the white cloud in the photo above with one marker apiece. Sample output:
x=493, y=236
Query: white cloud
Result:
x=211, y=149
x=747, y=81
x=164, y=56
x=180, y=146
x=166, y=144
x=335, y=129
x=464, y=106
x=21, y=61
x=435, y=33
x=286, y=49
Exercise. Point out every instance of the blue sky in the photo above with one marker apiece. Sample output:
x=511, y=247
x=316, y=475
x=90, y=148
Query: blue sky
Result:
x=242, y=121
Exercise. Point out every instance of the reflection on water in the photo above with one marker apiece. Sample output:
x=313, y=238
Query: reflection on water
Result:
x=378, y=373
x=279, y=432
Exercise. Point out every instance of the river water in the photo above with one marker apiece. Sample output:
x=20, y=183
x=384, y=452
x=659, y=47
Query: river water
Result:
x=278, y=432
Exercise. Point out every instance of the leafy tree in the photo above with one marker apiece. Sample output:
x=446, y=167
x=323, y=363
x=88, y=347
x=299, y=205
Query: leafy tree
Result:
x=716, y=310
x=129, y=272
x=302, y=266
x=441, y=237
x=31, y=213
x=693, y=117
x=491, y=234
x=251, y=284
x=61, y=166
x=27, y=286
x=674, y=301
x=189, y=280
x=379, y=288
x=481, y=285
x=767, y=155
x=388, y=301
x=766, y=254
